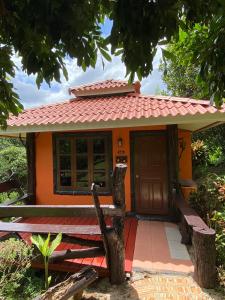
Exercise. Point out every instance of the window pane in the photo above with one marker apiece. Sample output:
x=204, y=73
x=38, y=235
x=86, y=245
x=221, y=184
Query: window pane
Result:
x=64, y=146
x=65, y=162
x=82, y=176
x=82, y=184
x=65, y=178
x=99, y=162
x=99, y=178
x=82, y=162
x=99, y=145
x=81, y=145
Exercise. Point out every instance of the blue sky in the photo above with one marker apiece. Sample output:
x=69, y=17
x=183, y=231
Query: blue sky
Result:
x=31, y=96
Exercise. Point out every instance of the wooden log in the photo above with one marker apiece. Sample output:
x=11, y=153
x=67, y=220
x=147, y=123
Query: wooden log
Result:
x=73, y=286
x=31, y=165
x=116, y=243
x=204, y=257
x=102, y=223
x=57, y=211
x=119, y=197
x=116, y=257
x=77, y=253
x=186, y=232
x=50, y=228
x=118, y=185
x=114, y=246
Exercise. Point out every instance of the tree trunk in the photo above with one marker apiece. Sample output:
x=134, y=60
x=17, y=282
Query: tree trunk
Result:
x=204, y=256
x=117, y=257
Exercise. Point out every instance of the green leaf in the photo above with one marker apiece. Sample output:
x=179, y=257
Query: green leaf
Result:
x=55, y=243
x=167, y=54
x=105, y=54
x=49, y=280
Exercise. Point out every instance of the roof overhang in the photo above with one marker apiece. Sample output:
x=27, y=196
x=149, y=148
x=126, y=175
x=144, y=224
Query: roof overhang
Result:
x=187, y=122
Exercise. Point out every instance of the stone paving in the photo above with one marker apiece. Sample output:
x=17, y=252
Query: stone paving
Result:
x=145, y=286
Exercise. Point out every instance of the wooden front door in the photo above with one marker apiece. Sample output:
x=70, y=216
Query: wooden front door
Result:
x=150, y=174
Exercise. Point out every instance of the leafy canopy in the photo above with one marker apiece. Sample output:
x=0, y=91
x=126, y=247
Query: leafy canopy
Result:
x=44, y=32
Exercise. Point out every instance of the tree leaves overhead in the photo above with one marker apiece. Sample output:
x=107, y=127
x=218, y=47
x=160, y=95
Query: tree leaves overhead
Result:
x=44, y=32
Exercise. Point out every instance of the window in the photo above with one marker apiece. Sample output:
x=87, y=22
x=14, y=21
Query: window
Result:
x=81, y=159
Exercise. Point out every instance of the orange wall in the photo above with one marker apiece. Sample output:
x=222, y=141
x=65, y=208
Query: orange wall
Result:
x=44, y=167
x=185, y=163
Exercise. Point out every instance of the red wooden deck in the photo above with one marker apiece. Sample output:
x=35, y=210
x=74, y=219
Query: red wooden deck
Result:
x=73, y=265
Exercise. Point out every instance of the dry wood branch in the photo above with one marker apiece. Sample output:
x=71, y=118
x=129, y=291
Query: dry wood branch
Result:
x=70, y=287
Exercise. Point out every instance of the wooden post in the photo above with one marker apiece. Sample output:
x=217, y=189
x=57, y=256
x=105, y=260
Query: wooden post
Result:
x=117, y=243
x=204, y=257
x=119, y=196
x=113, y=238
x=172, y=136
x=31, y=167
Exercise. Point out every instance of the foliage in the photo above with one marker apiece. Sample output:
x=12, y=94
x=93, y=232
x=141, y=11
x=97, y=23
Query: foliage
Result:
x=200, y=153
x=209, y=197
x=15, y=273
x=182, y=79
x=218, y=223
x=46, y=248
x=195, y=49
x=43, y=33
x=9, y=196
x=13, y=161
x=213, y=138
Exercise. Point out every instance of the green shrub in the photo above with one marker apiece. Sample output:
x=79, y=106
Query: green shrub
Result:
x=15, y=263
x=210, y=196
x=8, y=196
x=200, y=153
x=216, y=156
x=218, y=223
x=13, y=160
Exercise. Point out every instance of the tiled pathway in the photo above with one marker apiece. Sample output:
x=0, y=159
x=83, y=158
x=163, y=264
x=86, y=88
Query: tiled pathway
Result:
x=151, y=287
x=170, y=287
x=158, y=248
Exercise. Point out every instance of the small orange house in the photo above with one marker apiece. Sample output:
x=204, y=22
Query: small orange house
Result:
x=79, y=141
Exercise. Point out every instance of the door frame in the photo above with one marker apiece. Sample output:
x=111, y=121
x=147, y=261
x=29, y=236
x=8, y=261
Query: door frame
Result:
x=133, y=135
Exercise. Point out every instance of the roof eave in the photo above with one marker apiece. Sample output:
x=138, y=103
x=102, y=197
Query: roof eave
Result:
x=196, y=121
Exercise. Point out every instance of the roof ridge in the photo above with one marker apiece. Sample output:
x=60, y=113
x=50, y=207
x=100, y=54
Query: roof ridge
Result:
x=98, y=82
x=179, y=99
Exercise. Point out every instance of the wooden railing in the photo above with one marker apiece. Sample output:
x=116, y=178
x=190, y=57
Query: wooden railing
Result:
x=194, y=231
x=112, y=244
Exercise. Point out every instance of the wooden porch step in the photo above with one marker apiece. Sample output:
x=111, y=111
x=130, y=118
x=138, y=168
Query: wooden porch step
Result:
x=50, y=228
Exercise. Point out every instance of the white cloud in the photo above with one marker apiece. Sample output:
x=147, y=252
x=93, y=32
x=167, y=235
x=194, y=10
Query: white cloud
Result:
x=31, y=96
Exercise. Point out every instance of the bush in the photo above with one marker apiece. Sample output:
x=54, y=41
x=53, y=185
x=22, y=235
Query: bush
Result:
x=209, y=197
x=218, y=223
x=200, y=153
x=13, y=160
x=15, y=263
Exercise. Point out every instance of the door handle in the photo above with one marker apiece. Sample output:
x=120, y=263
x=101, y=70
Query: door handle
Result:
x=136, y=176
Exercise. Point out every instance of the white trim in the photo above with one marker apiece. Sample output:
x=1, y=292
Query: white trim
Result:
x=198, y=120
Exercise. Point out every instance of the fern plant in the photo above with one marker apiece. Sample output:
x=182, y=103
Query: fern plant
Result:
x=46, y=248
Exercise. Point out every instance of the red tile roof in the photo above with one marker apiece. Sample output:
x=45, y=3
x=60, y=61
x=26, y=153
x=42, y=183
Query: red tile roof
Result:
x=111, y=108
x=111, y=83
x=105, y=87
